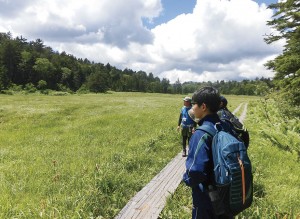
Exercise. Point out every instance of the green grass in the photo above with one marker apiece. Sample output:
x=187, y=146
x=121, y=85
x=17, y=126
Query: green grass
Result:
x=82, y=156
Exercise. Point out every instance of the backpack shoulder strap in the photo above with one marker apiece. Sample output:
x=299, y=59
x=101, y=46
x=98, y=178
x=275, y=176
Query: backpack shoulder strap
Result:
x=208, y=129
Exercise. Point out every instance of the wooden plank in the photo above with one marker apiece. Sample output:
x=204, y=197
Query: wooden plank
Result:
x=149, y=202
x=152, y=204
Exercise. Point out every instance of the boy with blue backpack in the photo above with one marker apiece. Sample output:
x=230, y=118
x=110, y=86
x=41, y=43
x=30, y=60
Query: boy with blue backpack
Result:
x=218, y=190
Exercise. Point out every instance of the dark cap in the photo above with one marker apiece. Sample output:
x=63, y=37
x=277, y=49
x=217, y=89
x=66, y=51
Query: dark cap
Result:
x=188, y=99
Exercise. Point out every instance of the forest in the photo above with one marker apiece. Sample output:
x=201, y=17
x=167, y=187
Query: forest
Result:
x=34, y=66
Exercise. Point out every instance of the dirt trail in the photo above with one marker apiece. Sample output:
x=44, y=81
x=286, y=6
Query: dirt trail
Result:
x=244, y=113
x=237, y=109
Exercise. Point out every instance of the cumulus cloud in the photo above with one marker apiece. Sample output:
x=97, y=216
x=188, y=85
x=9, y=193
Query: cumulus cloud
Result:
x=83, y=21
x=218, y=33
x=219, y=40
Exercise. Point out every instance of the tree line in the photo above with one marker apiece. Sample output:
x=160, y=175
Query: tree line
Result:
x=34, y=66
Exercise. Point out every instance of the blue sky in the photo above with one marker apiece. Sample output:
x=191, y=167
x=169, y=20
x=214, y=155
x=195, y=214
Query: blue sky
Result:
x=189, y=40
x=173, y=8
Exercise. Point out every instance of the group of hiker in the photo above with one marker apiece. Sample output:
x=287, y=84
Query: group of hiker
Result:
x=207, y=127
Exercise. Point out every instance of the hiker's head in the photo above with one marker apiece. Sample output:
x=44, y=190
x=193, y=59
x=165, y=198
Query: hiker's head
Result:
x=187, y=101
x=223, y=103
x=205, y=101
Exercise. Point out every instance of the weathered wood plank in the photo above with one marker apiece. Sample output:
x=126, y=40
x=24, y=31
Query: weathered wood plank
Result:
x=149, y=202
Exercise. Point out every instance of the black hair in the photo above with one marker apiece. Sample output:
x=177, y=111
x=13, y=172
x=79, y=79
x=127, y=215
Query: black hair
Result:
x=208, y=95
x=224, y=101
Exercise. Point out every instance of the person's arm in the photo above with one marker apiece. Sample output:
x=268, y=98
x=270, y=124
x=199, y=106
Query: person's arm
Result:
x=198, y=160
x=179, y=121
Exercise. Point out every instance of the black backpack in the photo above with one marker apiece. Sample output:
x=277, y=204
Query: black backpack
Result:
x=238, y=129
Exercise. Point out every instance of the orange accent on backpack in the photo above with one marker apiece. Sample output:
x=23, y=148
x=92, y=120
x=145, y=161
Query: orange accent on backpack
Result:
x=243, y=179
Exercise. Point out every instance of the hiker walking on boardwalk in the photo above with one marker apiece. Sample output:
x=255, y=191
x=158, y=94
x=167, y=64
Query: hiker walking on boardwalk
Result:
x=240, y=130
x=199, y=163
x=186, y=124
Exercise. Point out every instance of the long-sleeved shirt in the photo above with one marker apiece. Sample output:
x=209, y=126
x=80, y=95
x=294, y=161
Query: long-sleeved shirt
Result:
x=199, y=163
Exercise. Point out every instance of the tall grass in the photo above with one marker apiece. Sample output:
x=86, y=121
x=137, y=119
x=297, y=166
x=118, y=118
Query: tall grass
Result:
x=274, y=152
x=82, y=156
x=85, y=156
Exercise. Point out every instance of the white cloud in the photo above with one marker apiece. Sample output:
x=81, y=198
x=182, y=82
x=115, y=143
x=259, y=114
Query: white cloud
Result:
x=57, y=20
x=217, y=33
x=220, y=40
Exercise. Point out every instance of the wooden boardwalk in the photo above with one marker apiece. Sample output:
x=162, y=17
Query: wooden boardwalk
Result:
x=150, y=201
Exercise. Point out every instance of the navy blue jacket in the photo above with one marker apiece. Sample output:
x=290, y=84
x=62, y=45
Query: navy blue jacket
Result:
x=199, y=171
x=199, y=163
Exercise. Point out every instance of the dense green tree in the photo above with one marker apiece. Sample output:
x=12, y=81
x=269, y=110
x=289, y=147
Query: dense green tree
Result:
x=189, y=87
x=42, y=85
x=4, y=80
x=5, y=37
x=115, y=76
x=10, y=57
x=45, y=71
x=97, y=81
x=126, y=83
x=66, y=76
x=37, y=46
x=165, y=85
x=80, y=75
x=26, y=67
x=177, y=88
x=155, y=87
x=286, y=21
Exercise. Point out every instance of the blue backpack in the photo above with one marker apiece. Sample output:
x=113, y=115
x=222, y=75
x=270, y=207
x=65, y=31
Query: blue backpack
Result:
x=232, y=169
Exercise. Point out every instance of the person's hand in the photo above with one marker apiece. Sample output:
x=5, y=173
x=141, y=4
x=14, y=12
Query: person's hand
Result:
x=193, y=130
x=178, y=128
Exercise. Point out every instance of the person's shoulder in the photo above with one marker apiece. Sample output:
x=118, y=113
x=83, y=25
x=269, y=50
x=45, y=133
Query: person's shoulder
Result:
x=199, y=132
x=184, y=109
x=201, y=137
x=196, y=137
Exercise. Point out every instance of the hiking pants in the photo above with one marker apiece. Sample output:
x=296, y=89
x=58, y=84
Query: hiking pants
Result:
x=186, y=133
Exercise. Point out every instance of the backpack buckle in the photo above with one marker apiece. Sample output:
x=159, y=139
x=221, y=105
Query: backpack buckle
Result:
x=218, y=126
